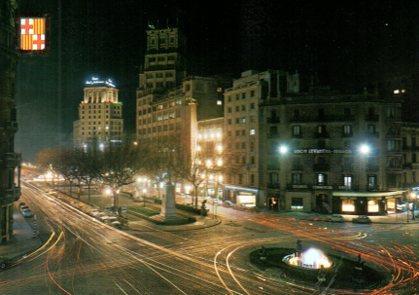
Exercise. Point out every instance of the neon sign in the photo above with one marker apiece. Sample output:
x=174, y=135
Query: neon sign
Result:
x=97, y=81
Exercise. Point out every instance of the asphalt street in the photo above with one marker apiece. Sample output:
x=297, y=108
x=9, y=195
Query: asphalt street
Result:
x=85, y=256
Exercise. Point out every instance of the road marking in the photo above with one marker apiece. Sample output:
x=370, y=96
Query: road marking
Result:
x=231, y=272
x=120, y=288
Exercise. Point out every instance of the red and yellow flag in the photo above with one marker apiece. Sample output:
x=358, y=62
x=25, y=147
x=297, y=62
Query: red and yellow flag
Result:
x=32, y=33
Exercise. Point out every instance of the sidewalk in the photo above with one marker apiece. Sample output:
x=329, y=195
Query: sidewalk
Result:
x=23, y=240
x=395, y=218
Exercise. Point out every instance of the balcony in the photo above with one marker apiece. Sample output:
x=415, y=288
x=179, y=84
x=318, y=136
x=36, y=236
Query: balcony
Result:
x=9, y=196
x=372, y=117
x=372, y=167
x=273, y=120
x=11, y=160
x=273, y=185
x=11, y=125
x=293, y=186
x=321, y=135
x=320, y=167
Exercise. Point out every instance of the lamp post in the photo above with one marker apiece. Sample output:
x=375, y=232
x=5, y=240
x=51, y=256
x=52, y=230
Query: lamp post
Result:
x=283, y=151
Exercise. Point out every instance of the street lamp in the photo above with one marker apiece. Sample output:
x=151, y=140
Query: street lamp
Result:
x=364, y=149
x=283, y=149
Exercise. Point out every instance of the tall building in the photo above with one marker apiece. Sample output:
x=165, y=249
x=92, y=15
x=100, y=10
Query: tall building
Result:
x=164, y=64
x=410, y=146
x=169, y=102
x=331, y=153
x=100, y=114
x=242, y=124
x=9, y=160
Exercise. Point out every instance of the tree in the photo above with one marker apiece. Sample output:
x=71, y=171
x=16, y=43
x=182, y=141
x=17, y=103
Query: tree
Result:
x=117, y=167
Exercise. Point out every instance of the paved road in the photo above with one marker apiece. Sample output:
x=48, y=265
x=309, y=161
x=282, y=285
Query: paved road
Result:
x=84, y=256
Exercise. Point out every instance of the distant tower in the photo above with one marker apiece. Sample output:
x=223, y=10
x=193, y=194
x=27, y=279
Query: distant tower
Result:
x=164, y=65
x=9, y=160
x=100, y=114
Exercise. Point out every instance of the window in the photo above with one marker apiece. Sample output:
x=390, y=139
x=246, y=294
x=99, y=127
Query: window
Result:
x=321, y=179
x=252, y=93
x=240, y=178
x=391, y=145
x=348, y=205
x=243, y=145
x=296, y=178
x=273, y=178
x=237, y=108
x=252, y=160
x=297, y=204
x=237, y=96
x=243, y=107
x=252, y=131
x=252, y=106
x=347, y=182
x=414, y=177
x=371, y=128
x=229, y=98
x=229, y=121
x=273, y=130
x=187, y=87
x=237, y=132
x=413, y=142
x=321, y=129
x=373, y=206
x=296, y=131
x=237, y=120
x=252, y=179
x=219, y=102
x=320, y=113
x=296, y=114
x=414, y=158
x=347, y=112
x=347, y=130
x=372, y=182
x=243, y=95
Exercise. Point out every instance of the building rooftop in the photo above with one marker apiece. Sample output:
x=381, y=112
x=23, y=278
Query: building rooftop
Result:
x=98, y=82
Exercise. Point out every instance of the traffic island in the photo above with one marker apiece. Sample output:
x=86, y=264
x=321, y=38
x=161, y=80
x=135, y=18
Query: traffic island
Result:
x=338, y=272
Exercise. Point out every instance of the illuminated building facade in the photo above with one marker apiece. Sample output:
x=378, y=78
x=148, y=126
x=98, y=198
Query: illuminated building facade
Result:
x=210, y=154
x=100, y=114
x=242, y=125
x=332, y=153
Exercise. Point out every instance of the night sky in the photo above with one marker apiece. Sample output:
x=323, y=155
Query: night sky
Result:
x=345, y=46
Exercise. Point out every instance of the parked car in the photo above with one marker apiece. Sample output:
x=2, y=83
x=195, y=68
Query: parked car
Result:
x=228, y=203
x=27, y=213
x=336, y=218
x=116, y=224
x=23, y=207
x=361, y=219
x=22, y=204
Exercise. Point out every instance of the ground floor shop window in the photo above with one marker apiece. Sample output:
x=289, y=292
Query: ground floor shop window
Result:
x=348, y=205
x=297, y=204
x=246, y=200
x=391, y=205
x=373, y=206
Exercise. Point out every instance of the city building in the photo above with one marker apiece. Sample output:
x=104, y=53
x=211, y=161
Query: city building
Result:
x=210, y=155
x=242, y=124
x=169, y=102
x=9, y=160
x=410, y=135
x=331, y=153
x=164, y=63
x=100, y=115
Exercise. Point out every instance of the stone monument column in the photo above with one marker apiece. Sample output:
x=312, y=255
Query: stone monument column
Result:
x=168, y=209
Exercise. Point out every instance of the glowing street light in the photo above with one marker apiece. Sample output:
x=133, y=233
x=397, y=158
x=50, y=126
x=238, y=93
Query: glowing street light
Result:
x=283, y=149
x=102, y=147
x=364, y=149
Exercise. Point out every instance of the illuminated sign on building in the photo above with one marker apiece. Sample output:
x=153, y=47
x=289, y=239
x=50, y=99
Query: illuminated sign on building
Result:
x=97, y=81
x=32, y=31
x=322, y=151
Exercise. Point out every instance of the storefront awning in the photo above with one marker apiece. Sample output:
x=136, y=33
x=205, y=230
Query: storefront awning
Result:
x=241, y=188
x=367, y=194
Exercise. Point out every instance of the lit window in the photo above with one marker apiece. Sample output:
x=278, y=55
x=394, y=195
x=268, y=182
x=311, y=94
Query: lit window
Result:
x=348, y=205
x=373, y=206
x=347, y=181
x=296, y=130
x=219, y=102
x=252, y=131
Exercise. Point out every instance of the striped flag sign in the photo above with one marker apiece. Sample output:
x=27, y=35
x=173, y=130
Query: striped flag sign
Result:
x=32, y=33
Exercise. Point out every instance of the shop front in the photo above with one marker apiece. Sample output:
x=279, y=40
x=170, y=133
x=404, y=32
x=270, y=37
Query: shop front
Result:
x=366, y=203
x=298, y=201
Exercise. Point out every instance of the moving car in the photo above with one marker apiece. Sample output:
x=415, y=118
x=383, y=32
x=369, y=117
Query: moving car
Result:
x=27, y=213
x=361, y=219
x=336, y=218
